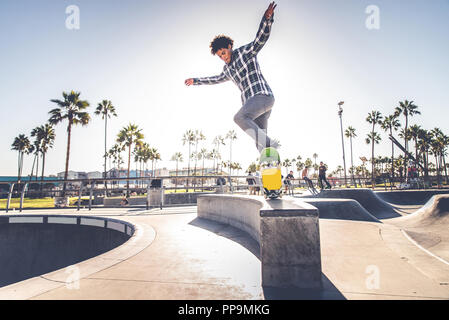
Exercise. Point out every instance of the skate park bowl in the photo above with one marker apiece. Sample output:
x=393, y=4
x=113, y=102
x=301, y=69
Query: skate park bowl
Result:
x=341, y=209
x=33, y=245
x=287, y=231
x=363, y=204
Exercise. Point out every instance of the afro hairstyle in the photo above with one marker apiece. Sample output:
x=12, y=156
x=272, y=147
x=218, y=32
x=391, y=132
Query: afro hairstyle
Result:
x=220, y=42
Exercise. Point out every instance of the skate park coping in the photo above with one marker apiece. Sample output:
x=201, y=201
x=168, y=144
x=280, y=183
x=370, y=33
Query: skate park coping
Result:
x=287, y=231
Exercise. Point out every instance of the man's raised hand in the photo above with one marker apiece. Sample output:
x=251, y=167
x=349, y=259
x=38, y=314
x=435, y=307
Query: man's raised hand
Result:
x=189, y=82
x=270, y=10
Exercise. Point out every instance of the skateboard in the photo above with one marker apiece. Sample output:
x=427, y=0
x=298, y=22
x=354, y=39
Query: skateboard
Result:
x=270, y=169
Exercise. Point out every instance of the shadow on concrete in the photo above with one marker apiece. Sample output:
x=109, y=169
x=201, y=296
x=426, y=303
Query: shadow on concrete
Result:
x=229, y=232
x=328, y=292
x=29, y=250
x=409, y=197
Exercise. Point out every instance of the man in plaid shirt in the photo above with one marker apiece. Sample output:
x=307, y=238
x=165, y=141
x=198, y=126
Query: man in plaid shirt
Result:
x=242, y=68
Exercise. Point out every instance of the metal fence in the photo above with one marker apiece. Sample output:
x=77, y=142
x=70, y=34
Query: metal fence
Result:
x=152, y=192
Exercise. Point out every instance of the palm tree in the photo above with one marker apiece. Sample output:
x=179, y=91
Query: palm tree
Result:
x=198, y=136
x=72, y=109
x=253, y=167
x=237, y=166
x=218, y=140
x=107, y=110
x=350, y=133
x=127, y=137
x=424, y=141
x=231, y=135
x=146, y=156
x=139, y=154
x=37, y=149
x=22, y=145
x=189, y=138
x=391, y=123
x=45, y=136
x=116, y=154
x=178, y=158
x=215, y=155
x=439, y=144
x=315, y=156
x=406, y=108
x=155, y=156
x=414, y=132
x=287, y=163
x=374, y=117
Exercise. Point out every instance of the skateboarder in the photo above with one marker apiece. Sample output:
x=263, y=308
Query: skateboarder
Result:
x=288, y=183
x=305, y=176
x=242, y=68
x=322, y=176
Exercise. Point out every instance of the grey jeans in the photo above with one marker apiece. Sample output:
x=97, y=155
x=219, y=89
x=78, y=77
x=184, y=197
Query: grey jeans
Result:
x=253, y=119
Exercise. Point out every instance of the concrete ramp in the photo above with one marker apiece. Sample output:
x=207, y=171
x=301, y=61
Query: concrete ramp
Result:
x=409, y=197
x=287, y=231
x=436, y=210
x=366, y=198
x=429, y=227
x=341, y=209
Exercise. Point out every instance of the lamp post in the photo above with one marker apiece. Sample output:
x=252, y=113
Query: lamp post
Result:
x=340, y=113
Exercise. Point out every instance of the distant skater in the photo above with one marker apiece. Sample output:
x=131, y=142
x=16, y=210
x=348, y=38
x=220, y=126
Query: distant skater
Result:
x=322, y=176
x=305, y=176
x=242, y=68
x=288, y=183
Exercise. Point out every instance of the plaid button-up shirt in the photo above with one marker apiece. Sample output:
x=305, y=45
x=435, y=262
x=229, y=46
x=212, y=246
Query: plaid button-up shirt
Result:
x=243, y=69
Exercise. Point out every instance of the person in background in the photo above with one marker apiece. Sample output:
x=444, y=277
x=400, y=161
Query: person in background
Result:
x=322, y=176
x=251, y=183
x=305, y=176
x=288, y=183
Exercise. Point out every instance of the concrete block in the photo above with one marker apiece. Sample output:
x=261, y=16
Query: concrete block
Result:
x=287, y=232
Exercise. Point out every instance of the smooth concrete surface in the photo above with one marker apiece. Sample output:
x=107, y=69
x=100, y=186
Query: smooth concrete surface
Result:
x=367, y=199
x=429, y=226
x=175, y=255
x=34, y=245
x=410, y=197
x=287, y=231
x=172, y=255
x=342, y=209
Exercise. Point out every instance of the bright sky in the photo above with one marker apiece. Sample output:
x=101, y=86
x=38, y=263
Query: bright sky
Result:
x=137, y=53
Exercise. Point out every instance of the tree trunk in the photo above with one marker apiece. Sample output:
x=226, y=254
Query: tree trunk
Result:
x=43, y=168
x=37, y=167
x=176, y=180
x=445, y=169
x=352, y=163
x=105, y=150
x=19, y=166
x=66, y=173
x=406, y=148
x=129, y=165
x=32, y=168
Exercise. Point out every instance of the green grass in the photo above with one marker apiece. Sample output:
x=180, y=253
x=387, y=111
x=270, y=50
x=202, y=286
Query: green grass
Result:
x=28, y=203
x=36, y=203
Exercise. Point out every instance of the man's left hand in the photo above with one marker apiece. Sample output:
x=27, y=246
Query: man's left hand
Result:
x=270, y=10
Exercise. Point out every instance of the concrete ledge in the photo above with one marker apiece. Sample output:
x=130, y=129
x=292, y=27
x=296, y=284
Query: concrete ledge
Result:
x=287, y=231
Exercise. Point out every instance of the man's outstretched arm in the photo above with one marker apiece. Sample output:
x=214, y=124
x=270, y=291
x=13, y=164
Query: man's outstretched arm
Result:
x=207, y=80
x=264, y=30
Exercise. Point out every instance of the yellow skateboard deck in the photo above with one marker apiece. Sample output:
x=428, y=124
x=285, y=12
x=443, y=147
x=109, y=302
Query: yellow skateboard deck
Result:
x=272, y=178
